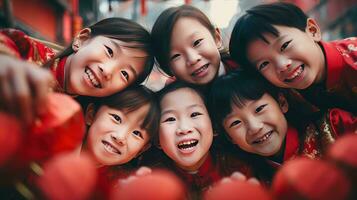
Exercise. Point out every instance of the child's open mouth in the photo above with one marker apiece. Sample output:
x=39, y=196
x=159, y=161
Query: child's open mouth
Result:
x=200, y=71
x=110, y=148
x=264, y=138
x=92, y=78
x=295, y=74
x=187, y=145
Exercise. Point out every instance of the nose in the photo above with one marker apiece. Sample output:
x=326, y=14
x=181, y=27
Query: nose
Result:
x=193, y=57
x=283, y=64
x=254, y=126
x=108, y=69
x=119, y=137
x=184, y=128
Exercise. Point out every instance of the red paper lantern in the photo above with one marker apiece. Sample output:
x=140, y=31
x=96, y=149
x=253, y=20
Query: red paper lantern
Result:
x=160, y=185
x=303, y=178
x=68, y=176
x=237, y=190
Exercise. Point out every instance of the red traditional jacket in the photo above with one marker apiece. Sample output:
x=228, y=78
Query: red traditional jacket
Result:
x=216, y=166
x=18, y=44
x=317, y=136
x=340, y=87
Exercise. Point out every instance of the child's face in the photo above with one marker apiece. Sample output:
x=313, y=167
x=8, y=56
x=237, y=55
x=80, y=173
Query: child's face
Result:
x=194, y=55
x=292, y=60
x=116, y=137
x=102, y=66
x=186, y=132
x=259, y=127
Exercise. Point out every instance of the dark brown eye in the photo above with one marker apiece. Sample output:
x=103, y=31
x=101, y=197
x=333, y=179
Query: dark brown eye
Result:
x=195, y=114
x=234, y=123
x=125, y=74
x=116, y=117
x=110, y=51
x=138, y=133
x=197, y=42
x=285, y=45
x=260, y=108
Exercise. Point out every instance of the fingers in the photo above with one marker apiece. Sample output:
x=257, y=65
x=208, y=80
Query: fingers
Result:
x=253, y=181
x=6, y=103
x=23, y=88
x=40, y=81
x=22, y=96
x=142, y=171
x=238, y=176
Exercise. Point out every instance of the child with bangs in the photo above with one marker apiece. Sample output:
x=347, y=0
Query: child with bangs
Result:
x=103, y=59
x=186, y=138
x=253, y=115
x=290, y=53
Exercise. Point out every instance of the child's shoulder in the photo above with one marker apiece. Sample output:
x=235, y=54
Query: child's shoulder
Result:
x=19, y=44
x=348, y=49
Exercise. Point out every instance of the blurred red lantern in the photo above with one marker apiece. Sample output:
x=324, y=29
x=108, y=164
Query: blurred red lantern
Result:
x=159, y=185
x=237, y=190
x=303, y=178
x=68, y=176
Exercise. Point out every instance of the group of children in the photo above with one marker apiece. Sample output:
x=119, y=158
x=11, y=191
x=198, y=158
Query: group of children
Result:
x=277, y=93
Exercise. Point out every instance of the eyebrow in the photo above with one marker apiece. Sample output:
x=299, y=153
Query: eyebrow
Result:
x=273, y=43
x=190, y=106
x=119, y=46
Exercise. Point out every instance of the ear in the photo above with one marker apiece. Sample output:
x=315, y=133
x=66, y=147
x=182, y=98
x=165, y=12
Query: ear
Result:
x=90, y=113
x=218, y=39
x=313, y=30
x=82, y=36
x=283, y=103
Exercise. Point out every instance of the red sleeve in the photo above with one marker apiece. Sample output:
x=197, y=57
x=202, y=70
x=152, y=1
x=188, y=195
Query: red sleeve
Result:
x=342, y=122
x=7, y=44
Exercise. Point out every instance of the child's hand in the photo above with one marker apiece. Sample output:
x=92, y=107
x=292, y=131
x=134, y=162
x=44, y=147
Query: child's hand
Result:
x=142, y=171
x=23, y=87
x=237, y=176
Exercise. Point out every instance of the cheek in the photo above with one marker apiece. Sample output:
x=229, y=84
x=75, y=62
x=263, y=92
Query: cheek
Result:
x=237, y=137
x=178, y=68
x=164, y=135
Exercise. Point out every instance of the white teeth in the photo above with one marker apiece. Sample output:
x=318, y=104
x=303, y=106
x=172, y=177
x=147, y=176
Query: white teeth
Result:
x=110, y=148
x=92, y=78
x=187, y=144
x=295, y=74
x=264, y=138
x=200, y=70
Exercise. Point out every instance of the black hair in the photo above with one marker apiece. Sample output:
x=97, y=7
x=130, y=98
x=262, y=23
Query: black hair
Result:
x=162, y=31
x=131, y=99
x=260, y=20
x=130, y=32
x=235, y=89
x=176, y=86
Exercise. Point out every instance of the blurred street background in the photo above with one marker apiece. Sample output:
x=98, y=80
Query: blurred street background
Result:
x=59, y=20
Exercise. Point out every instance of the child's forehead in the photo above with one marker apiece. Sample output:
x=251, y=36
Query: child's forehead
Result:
x=183, y=93
x=182, y=99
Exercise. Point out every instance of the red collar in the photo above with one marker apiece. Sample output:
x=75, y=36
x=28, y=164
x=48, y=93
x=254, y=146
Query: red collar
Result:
x=334, y=63
x=291, y=147
x=292, y=143
x=206, y=174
